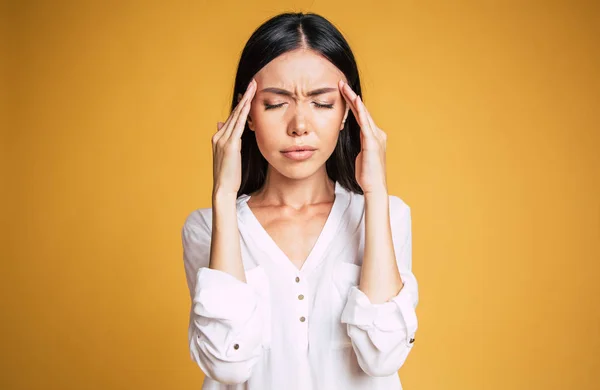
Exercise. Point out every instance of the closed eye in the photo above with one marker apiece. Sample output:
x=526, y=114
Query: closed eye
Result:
x=273, y=106
x=270, y=106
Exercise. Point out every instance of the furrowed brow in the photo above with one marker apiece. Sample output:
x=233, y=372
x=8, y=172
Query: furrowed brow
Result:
x=280, y=91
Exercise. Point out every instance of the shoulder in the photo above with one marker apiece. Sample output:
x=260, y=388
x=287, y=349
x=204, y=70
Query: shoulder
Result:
x=196, y=237
x=400, y=220
x=199, y=220
x=398, y=207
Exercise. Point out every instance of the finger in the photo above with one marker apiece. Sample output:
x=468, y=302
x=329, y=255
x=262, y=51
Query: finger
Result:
x=365, y=112
x=218, y=134
x=247, y=96
x=342, y=86
x=351, y=98
x=369, y=117
x=349, y=101
x=241, y=123
x=380, y=134
x=234, y=112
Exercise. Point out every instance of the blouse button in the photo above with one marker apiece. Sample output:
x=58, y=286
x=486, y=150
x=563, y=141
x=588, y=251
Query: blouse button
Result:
x=297, y=279
x=236, y=346
x=300, y=297
x=302, y=319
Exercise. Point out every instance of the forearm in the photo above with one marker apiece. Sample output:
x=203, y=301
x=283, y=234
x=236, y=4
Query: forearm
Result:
x=380, y=279
x=380, y=313
x=225, y=251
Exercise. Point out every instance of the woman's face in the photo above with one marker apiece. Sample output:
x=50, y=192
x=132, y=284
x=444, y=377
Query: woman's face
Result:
x=285, y=114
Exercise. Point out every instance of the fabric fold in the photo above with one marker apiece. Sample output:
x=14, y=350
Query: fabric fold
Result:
x=384, y=323
x=228, y=314
x=220, y=295
x=226, y=329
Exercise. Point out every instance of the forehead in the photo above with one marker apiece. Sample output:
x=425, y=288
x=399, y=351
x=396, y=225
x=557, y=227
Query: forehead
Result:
x=299, y=68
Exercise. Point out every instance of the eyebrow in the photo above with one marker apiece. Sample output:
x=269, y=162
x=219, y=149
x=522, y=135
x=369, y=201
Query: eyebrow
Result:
x=285, y=92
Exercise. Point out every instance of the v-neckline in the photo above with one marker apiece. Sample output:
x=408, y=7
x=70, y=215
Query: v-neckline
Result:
x=321, y=244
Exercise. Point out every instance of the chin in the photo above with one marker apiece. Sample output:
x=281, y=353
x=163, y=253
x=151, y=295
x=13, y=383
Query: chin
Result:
x=298, y=172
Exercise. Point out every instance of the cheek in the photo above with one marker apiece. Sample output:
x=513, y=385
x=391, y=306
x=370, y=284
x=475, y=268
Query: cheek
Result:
x=262, y=138
x=330, y=119
x=261, y=118
x=329, y=124
x=261, y=123
x=331, y=136
x=263, y=131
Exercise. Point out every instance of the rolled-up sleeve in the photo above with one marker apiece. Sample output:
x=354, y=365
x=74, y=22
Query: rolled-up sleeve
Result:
x=384, y=334
x=225, y=325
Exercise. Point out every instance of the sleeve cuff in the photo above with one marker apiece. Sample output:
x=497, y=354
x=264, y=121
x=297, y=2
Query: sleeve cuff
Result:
x=397, y=316
x=405, y=303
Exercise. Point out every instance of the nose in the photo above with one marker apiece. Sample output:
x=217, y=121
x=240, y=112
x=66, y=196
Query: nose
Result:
x=297, y=125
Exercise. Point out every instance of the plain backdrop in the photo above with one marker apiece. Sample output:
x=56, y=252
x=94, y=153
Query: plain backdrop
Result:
x=492, y=112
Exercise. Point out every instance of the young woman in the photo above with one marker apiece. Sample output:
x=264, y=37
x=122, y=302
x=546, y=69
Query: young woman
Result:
x=300, y=272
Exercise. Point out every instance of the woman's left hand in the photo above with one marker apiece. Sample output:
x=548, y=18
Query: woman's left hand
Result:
x=370, y=162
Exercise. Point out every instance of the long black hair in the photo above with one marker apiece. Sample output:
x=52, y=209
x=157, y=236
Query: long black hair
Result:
x=280, y=34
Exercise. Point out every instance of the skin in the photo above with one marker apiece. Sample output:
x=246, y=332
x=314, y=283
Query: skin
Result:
x=297, y=197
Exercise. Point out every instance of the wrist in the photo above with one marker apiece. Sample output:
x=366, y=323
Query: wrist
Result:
x=376, y=196
x=223, y=197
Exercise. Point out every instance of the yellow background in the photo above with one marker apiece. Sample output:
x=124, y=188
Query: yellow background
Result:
x=492, y=111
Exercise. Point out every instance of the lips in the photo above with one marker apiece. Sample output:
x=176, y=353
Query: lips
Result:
x=298, y=148
x=298, y=153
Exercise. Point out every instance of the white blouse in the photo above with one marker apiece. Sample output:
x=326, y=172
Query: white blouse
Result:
x=290, y=328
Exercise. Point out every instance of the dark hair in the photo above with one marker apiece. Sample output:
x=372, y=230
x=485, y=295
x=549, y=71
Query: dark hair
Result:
x=278, y=35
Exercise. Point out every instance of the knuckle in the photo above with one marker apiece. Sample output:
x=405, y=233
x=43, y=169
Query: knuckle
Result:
x=221, y=142
x=231, y=144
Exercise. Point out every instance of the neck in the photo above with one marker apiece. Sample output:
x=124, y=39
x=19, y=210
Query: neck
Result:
x=279, y=190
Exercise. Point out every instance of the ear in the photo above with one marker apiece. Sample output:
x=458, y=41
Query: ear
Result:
x=344, y=120
x=249, y=118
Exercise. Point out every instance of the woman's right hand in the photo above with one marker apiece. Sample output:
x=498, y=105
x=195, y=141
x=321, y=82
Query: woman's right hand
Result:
x=227, y=146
